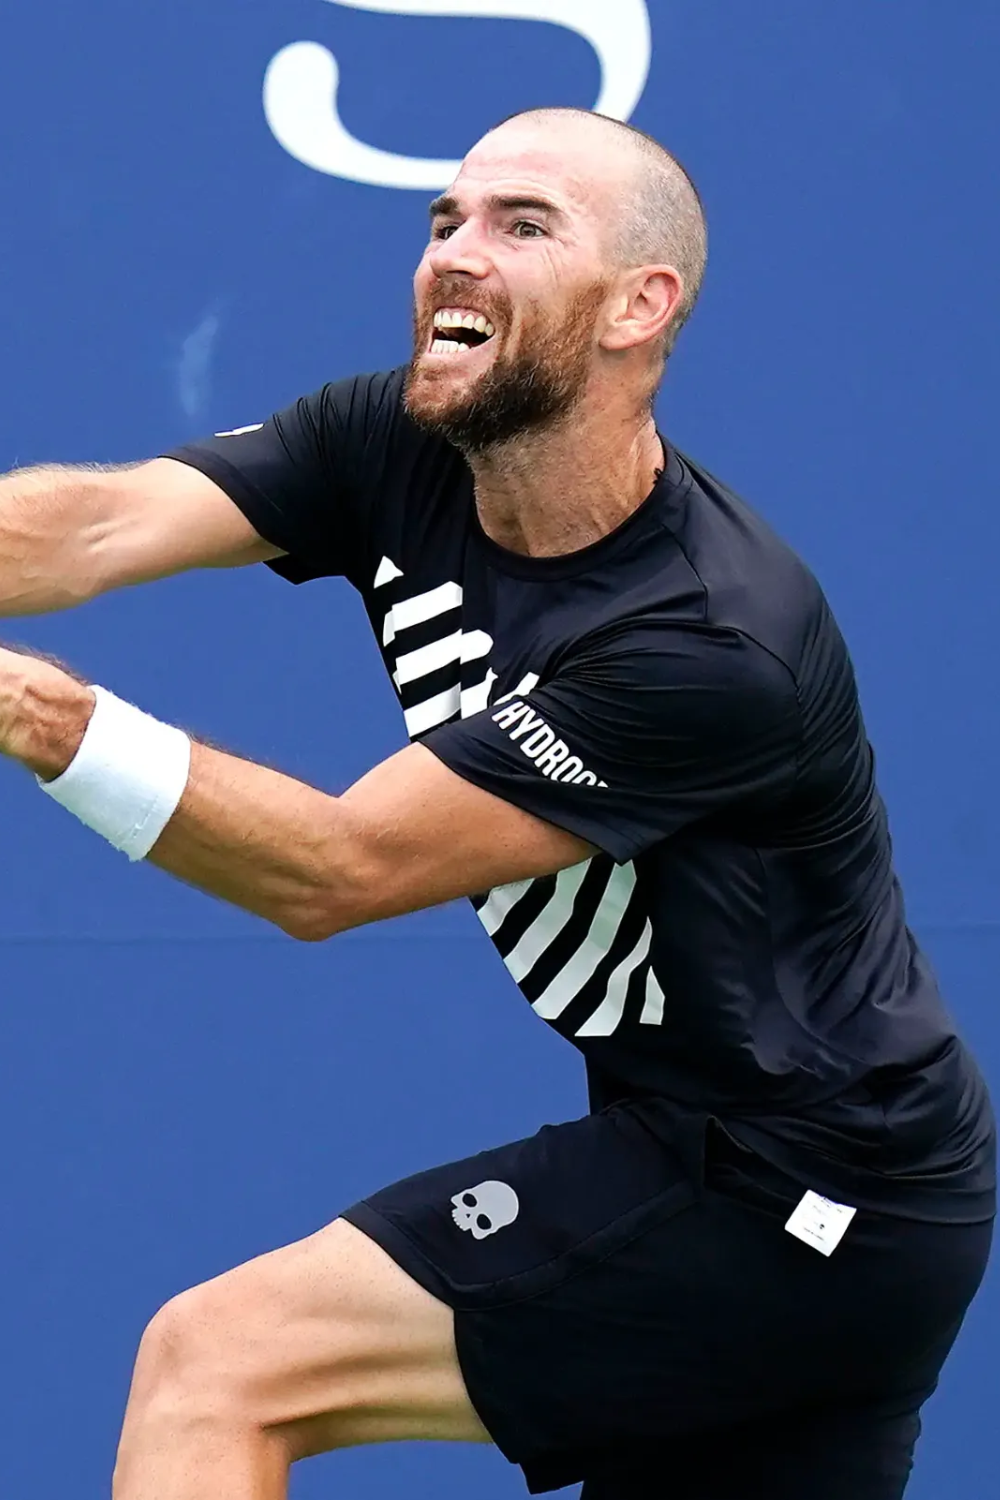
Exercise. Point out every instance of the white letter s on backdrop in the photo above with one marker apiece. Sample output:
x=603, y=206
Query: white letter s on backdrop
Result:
x=300, y=88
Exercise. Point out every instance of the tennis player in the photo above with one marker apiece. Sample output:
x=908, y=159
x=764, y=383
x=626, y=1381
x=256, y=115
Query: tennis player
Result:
x=637, y=747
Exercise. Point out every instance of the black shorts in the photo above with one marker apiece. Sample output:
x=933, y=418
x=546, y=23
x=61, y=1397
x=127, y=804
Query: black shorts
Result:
x=641, y=1320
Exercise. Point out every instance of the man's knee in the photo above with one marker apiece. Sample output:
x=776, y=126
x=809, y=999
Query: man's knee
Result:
x=190, y=1390
x=184, y=1354
x=237, y=1351
x=322, y=1344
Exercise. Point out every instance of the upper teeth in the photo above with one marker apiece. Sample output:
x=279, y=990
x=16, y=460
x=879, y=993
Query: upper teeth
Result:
x=457, y=318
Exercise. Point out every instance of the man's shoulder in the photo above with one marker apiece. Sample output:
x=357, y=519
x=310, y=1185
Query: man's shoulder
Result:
x=360, y=403
x=367, y=415
x=753, y=580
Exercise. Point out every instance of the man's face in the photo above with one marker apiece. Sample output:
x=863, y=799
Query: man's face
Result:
x=509, y=293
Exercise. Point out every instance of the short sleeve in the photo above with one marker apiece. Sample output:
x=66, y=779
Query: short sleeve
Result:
x=645, y=730
x=305, y=477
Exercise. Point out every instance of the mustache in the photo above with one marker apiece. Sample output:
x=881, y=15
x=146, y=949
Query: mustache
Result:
x=456, y=292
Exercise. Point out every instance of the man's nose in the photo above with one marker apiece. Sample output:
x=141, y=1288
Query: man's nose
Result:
x=464, y=252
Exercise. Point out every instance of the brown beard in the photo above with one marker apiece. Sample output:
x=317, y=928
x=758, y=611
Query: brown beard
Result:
x=535, y=385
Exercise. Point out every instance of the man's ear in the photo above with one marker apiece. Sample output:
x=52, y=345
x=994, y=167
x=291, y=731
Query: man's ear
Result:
x=643, y=309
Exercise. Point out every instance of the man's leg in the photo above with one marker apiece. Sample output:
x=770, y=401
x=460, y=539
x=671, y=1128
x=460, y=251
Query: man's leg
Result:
x=322, y=1345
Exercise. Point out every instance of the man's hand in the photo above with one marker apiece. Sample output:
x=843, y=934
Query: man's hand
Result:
x=44, y=713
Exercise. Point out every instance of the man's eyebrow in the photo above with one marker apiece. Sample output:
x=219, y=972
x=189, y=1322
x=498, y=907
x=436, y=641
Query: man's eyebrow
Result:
x=443, y=206
x=447, y=206
x=506, y=202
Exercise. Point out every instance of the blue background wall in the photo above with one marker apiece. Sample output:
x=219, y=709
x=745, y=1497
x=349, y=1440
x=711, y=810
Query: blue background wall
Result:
x=184, y=1088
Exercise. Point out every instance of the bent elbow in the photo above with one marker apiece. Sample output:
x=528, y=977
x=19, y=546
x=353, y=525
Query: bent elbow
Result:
x=307, y=926
x=318, y=918
x=346, y=888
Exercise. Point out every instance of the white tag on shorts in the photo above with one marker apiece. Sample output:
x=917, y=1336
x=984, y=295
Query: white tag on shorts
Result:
x=820, y=1222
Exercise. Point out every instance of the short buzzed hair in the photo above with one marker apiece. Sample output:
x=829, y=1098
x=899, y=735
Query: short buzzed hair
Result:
x=663, y=222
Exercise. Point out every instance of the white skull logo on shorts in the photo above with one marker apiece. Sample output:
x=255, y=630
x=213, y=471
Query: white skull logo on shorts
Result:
x=484, y=1209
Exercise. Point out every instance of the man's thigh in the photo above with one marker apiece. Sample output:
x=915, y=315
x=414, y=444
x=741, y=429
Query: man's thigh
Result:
x=327, y=1342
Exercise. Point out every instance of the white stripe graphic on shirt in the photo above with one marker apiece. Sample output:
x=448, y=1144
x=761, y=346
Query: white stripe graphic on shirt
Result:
x=548, y=924
x=476, y=700
x=421, y=607
x=502, y=900
x=593, y=945
x=387, y=571
x=652, y=1011
x=455, y=649
x=450, y=648
x=607, y=1017
x=433, y=711
x=603, y=929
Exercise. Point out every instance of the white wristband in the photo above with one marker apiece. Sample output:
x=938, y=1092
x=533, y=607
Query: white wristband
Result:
x=127, y=777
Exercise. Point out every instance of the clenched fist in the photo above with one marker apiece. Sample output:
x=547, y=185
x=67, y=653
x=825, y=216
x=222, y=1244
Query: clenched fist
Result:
x=44, y=713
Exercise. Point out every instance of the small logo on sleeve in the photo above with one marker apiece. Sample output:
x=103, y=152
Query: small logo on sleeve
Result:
x=482, y=1210
x=540, y=743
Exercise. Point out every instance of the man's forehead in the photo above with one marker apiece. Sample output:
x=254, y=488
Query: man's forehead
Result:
x=556, y=163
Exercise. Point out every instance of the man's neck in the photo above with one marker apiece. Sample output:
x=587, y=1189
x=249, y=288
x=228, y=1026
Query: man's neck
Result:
x=558, y=490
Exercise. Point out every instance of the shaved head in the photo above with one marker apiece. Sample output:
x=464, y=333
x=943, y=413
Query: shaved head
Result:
x=658, y=216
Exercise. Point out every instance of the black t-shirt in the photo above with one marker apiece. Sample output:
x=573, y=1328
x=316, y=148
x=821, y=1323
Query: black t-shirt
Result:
x=679, y=695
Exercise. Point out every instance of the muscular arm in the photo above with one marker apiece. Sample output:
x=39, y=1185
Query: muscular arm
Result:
x=410, y=834
x=69, y=534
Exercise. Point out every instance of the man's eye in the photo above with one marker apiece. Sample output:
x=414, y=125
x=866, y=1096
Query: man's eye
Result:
x=443, y=231
x=524, y=229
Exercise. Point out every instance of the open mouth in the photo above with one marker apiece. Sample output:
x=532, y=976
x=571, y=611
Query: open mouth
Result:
x=458, y=329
